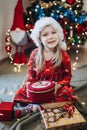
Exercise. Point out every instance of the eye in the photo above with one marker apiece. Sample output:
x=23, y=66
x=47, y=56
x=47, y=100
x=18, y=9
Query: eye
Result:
x=45, y=34
x=54, y=32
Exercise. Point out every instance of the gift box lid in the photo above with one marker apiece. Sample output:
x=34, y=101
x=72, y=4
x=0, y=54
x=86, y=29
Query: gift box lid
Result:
x=41, y=86
x=6, y=105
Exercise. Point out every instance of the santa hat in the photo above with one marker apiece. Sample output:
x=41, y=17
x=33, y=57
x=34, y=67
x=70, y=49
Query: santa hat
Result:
x=40, y=24
x=18, y=21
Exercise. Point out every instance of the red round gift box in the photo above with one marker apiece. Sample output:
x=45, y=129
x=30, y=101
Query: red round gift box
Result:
x=40, y=94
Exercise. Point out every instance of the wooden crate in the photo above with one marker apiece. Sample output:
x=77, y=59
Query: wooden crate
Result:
x=63, y=123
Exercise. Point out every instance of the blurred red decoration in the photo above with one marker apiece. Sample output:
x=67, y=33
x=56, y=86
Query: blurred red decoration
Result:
x=80, y=29
x=29, y=26
x=62, y=21
x=6, y=39
x=70, y=109
x=71, y=2
x=8, y=48
x=85, y=25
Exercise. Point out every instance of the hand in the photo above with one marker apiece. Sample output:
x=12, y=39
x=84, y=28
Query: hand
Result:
x=57, y=86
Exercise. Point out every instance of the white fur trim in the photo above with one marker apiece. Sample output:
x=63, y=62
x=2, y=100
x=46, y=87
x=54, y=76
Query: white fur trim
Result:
x=40, y=24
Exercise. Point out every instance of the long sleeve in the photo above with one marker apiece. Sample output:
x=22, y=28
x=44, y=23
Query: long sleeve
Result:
x=31, y=74
x=66, y=69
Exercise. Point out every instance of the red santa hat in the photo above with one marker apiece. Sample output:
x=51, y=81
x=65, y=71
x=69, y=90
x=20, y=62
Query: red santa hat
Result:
x=18, y=21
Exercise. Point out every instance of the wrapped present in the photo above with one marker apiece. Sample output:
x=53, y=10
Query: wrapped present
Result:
x=62, y=117
x=6, y=110
x=41, y=91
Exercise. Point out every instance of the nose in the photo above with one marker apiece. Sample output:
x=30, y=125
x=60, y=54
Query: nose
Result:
x=50, y=36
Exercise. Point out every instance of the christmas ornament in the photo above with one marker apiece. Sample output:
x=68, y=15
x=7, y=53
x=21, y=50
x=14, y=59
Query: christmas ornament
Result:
x=8, y=48
x=80, y=29
x=17, y=36
x=71, y=2
x=70, y=109
x=29, y=26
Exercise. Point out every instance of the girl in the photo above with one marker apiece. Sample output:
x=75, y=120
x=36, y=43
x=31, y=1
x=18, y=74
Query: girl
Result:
x=49, y=61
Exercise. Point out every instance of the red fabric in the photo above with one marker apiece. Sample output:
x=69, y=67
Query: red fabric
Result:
x=23, y=58
x=21, y=96
x=16, y=58
x=62, y=75
x=18, y=21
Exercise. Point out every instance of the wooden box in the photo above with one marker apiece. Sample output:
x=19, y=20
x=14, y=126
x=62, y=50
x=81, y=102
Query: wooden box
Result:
x=64, y=122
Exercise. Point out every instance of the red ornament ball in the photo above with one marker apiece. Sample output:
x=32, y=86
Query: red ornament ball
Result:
x=29, y=26
x=8, y=48
x=71, y=2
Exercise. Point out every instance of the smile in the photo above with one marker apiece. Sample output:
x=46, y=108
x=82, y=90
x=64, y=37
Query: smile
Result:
x=51, y=42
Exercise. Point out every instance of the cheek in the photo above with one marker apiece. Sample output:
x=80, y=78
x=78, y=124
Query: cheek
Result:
x=43, y=40
x=58, y=40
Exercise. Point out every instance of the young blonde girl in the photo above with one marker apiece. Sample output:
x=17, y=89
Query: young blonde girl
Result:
x=49, y=61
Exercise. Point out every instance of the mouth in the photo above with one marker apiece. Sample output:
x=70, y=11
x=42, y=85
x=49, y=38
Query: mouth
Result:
x=51, y=42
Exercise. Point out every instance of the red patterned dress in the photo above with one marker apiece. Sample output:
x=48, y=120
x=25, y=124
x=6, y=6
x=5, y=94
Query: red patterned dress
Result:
x=61, y=74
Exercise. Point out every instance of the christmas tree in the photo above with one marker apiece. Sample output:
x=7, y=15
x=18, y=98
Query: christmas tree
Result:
x=68, y=13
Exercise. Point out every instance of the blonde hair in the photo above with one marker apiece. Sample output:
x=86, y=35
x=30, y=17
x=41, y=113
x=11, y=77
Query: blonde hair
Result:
x=56, y=60
x=35, y=35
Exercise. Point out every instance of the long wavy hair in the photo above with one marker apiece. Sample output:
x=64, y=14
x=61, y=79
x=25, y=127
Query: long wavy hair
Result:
x=56, y=60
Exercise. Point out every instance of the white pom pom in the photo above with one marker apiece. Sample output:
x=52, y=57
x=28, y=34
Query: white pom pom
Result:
x=36, y=108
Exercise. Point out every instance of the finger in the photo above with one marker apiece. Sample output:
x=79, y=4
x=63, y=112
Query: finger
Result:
x=55, y=92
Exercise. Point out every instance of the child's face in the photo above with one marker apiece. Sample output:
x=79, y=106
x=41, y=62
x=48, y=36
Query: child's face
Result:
x=49, y=37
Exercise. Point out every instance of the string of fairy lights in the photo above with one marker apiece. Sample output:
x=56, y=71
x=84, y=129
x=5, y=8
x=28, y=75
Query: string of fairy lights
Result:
x=8, y=47
x=68, y=13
